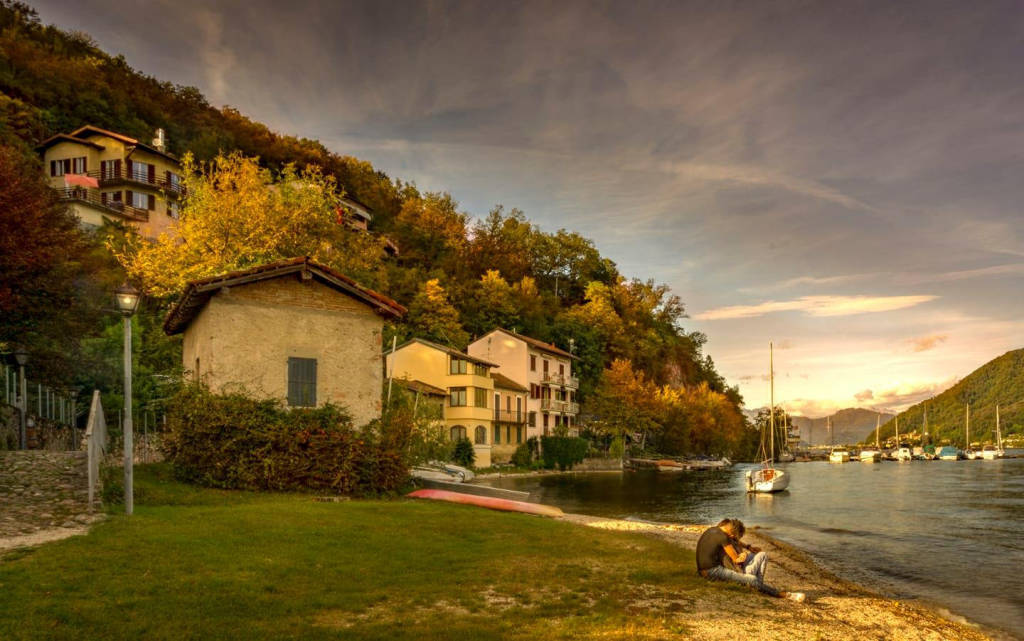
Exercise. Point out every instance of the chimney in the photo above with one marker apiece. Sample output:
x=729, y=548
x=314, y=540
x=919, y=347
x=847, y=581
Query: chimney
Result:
x=159, y=141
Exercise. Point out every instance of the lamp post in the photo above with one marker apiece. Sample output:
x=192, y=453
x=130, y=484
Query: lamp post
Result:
x=127, y=298
x=21, y=358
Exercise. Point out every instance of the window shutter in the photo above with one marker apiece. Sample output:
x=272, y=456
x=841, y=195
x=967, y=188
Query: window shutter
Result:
x=66, y=165
x=117, y=168
x=103, y=198
x=152, y=202
x=167, y=178
x=129, y=172
x=302, y=382
x=85, y=164
x=128, y=198
x=152, y=174
x=53, y=167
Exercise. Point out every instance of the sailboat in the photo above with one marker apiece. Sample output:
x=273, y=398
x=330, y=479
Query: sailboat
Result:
x=968, y=452
x=838, y=454
x=768, y=479
x=902, y=453
x=989, y=452
x=868, y=455
x=785, y=456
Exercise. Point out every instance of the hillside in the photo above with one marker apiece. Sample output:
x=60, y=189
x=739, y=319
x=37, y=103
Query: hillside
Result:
x=849, y=425
x=1000, y=381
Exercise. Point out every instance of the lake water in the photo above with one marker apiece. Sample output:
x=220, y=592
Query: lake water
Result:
x=951, y=533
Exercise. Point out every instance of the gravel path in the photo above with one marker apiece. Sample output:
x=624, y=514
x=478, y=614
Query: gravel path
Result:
x=43, y=497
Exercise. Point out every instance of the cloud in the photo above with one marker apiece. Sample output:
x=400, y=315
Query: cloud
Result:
x=866, y=395
x=925, y=343
x=818, y=306
x=217, y=58
x=901, y=397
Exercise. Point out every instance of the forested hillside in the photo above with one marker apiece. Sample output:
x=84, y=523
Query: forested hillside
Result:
x=1000, y=381
x=459, y=276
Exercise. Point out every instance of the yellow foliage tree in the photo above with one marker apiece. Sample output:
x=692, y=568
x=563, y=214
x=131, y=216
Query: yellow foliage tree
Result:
x=236, y=215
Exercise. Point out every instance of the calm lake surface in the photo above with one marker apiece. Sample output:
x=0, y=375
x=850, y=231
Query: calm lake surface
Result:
x=947, y=532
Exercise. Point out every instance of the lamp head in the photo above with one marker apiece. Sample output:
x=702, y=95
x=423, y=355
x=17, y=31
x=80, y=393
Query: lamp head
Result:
x=127, y=299
x=20, y=356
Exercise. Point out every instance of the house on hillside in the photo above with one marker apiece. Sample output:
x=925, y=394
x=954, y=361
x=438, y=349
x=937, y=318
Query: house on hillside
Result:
x=355, y=215
x=293, y=330
x=468, y=412
x=544, y=369
x=106, y=175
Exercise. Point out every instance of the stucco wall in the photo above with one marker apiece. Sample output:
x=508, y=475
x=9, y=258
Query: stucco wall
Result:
x=244, y=337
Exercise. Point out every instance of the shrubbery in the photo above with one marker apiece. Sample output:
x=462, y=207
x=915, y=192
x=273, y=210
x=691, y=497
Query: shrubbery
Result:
x=463, y=453
x=234, y=441
x=563, y=451
x=526, y=453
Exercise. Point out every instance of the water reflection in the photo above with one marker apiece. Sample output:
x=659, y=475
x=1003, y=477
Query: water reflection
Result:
x=946, y=531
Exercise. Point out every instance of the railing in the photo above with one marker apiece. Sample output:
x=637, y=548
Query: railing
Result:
x=95, y=442
x=109, y=177
x=506, y=416
x=566, y=407
x=551, y=378
x=92, y=197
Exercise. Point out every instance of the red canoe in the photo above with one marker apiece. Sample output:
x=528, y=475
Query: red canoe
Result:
x=485, y=501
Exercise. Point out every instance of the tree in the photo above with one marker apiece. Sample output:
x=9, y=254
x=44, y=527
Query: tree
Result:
x=237, y=215
x=432, y=316
x=41, y=253
x=624, y=403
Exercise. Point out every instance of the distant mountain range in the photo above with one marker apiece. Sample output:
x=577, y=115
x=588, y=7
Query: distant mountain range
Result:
x=850, y=425
x=999, y=381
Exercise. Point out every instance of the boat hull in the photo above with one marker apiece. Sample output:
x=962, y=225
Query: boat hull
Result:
x=504, y=505
x=870, y=456
x=766, y=481
x=839, y=457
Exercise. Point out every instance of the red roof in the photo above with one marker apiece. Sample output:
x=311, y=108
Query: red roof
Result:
x=534, y=342
x=198, y=292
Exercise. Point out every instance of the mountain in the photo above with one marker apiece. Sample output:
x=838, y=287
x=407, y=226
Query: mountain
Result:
x=1000, y=381
x=849, y=425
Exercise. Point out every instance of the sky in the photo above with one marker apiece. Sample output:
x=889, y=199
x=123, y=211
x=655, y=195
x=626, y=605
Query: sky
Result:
x=841, y=179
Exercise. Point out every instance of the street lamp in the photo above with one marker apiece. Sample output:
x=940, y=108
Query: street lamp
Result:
x=21, y=358
x=127, y=299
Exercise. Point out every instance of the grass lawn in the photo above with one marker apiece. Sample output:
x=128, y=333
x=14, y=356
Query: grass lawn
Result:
x=205, y=564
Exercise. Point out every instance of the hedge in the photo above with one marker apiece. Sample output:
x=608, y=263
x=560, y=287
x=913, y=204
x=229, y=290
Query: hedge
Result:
x=235, y=441
x=562, y=451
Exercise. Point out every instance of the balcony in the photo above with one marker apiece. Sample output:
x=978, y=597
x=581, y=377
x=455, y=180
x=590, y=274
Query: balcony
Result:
x=565, y=407
x=111, y=178
x=92, y=197
x=550, y=378
x=506, y=416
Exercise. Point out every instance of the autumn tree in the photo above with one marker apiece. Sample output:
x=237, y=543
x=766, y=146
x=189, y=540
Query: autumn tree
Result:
x=625, y=402
x=237, y=215
x=433, y=317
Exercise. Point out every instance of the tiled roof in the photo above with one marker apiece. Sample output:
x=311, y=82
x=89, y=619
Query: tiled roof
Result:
x=198, y=292
x=504, y=382
x=420, y=386
x=447, y=350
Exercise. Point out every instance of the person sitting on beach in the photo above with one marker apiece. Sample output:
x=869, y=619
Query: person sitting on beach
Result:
x=719, y=548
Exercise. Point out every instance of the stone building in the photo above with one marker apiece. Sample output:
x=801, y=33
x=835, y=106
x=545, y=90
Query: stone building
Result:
x=292, y=330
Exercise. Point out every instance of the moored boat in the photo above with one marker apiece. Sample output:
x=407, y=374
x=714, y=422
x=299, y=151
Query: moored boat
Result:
x=993, y=452
x=873, y=455
x=839, y=455
x=904, y=454
x=768, y=479
x=950, y=453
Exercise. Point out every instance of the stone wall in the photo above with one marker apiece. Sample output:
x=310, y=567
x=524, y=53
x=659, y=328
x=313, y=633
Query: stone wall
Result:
x=42, y=490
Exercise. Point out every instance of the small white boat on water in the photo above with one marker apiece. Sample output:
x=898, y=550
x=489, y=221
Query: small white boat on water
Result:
x=904, y=454
x=839, y=455
x=768, y=479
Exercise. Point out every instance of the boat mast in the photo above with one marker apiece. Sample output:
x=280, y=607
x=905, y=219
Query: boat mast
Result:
x=878, y=422
x=925, y=436
x=897, y=434
x=771, y=396
x=999, y=434
x=967, y=426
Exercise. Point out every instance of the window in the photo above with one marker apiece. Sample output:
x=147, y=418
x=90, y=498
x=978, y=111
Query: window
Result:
x=479, y=370
x=457, y=397
x=68, y=166
x=195, y=372
x=533, y=362
x=545, y=421
x=519, y=408
x=172, y=209
x=519, y=434
x=110, y=169
x=497, y=406
x=531, y=419
x=457, y=432
x=302, y=382
x=508, y=433
x=140, y=200
x=111, y=197
x=141, y=172
x=173, y=180
x=534, y=391
x=546, y=363
x=497, y=435
x=561, y=369
x=481, y=435
x=479, y=397
x=457, y=366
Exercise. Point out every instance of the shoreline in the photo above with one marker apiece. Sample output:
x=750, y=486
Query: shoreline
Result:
x=836, y=607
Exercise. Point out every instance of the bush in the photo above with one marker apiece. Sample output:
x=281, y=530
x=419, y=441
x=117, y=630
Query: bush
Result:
x=234, y=441
x=526, y=453
x=563, y=451
x=463, y=453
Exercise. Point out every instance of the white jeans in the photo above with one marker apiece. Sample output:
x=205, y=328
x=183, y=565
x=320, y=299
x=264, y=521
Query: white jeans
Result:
x=752, y=575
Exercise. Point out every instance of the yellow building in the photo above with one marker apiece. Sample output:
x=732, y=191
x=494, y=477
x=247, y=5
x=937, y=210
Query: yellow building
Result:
x=468, y=412
x=292, y=330
x=510, y=414
x=106, y=175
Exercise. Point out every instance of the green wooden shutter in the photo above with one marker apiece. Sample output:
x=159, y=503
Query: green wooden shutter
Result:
x=302, y=382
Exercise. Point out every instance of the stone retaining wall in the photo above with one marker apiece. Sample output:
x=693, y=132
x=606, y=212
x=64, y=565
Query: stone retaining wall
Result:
x=42, y=490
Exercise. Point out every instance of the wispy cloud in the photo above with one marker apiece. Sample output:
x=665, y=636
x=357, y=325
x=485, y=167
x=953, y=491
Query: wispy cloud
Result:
x=925, y=343
x=901, y=397
x=818, y=306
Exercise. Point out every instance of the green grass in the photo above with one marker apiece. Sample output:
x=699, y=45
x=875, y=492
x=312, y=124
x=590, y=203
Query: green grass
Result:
x=195, y=563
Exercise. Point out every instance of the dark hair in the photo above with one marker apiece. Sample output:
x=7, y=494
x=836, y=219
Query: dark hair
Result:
x=738, y=528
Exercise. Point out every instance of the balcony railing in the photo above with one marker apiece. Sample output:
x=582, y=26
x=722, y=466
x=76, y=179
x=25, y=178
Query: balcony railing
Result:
x=566, y=407
x=109, y=178
x=550, y=378
x=506, y=416
x=92, y=197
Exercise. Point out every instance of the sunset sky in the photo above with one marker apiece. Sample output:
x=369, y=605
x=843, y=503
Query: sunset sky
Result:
x=844, y=179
